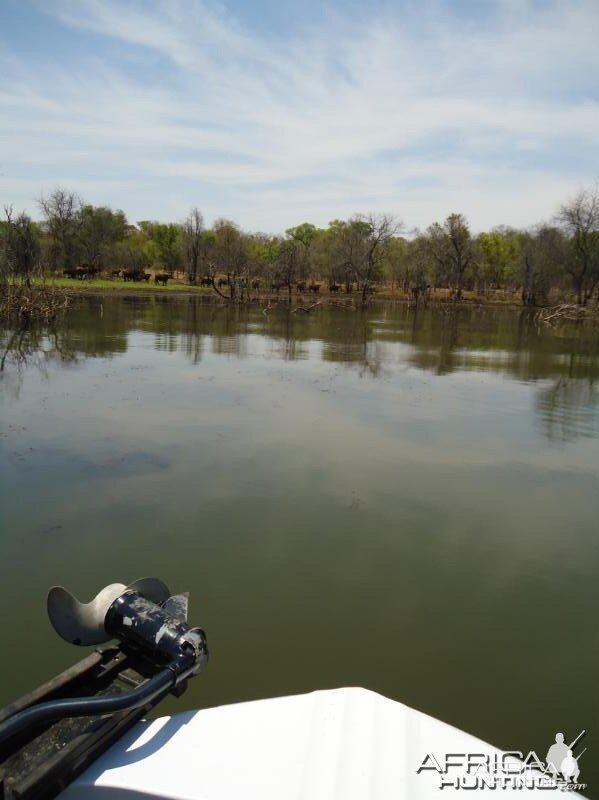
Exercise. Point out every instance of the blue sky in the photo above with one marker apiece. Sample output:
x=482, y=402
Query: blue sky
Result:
x=272, y=113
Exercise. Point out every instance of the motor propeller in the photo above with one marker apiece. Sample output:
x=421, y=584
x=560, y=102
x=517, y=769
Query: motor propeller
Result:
x=143, y=615
x=155, y=654
x=83, y=623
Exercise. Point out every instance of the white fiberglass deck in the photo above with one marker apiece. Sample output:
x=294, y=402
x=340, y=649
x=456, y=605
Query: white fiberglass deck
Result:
x=341, y=744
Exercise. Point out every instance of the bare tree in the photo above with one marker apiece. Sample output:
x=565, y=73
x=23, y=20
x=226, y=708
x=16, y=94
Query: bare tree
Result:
x=344, y=249
x=19, y=246
x=580, y=220
x=541, y=254
x=193, y=231
x=229, y=254
x=376, y=230
x=452, y=249
x=291, y=261
x=61, y=210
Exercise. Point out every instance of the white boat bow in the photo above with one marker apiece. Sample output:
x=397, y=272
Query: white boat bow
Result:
x=340, y=744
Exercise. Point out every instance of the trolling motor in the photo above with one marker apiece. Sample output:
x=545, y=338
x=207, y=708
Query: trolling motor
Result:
x=49, y=736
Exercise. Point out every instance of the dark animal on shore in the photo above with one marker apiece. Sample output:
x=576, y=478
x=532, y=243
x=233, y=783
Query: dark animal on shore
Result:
x=334, y=287
x=161, y=278
x=276, y=286
x=82, y=273
x=132, y=275
x=223, y=282
x=314, y=287
x=206, y=281
x=301, y=286
x=255, y=284
x=416, y=291
x=70, y=273
x=115, y=273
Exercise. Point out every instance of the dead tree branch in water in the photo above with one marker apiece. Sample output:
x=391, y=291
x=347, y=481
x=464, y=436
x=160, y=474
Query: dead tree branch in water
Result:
x=306, y=309
x=565, y=312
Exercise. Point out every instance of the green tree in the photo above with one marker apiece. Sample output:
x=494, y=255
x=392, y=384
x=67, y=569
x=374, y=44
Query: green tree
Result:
x=304, y=233
x=499, y=258
x=132, y=252
x=166, y=241
x=99, y=230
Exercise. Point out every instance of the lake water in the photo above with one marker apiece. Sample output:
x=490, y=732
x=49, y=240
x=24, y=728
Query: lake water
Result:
x=403, y=501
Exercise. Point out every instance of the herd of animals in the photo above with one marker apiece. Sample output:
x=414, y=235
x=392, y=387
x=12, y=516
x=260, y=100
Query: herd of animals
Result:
x=162, y=278
x=300, y=286
x=276, y=286
x=87, y=273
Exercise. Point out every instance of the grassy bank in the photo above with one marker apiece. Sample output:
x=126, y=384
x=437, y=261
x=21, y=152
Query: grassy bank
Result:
x=118, y=286
x=107, y=285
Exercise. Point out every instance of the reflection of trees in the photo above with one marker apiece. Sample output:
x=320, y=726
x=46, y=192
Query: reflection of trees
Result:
x=290, y=348
x=352, y=340
x=568, y=409
x=31, y=344
x=439, y=340
x=28, y=346
x=94, y=327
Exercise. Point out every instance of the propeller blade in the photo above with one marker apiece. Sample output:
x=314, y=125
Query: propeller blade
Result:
x=177, y=606
x=81, y=623
x=152, y=589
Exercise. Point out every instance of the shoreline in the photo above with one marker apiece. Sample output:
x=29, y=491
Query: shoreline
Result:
x=271, y=298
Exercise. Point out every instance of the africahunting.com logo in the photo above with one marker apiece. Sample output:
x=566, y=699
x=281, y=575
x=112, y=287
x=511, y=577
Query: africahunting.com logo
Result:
x=513, y=769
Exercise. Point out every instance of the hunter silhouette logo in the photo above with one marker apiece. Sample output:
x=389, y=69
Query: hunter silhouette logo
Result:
x=560, y=758
x=511, y=769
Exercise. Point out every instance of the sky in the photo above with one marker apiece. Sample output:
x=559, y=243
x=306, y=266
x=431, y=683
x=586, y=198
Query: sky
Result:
x=273, y=113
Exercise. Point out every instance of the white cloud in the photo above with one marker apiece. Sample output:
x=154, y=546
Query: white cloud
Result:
x=414, y=111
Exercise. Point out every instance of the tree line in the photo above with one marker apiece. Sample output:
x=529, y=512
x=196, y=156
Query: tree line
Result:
x=352, y=255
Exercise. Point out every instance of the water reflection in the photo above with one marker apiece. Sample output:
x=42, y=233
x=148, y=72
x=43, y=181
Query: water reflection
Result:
x=567, y=408
x=428, y=480
x=563, y=361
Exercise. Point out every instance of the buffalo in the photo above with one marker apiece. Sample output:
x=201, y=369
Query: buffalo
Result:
x=161, y=279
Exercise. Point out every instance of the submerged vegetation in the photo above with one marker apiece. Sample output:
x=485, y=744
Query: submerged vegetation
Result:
x=26, y=301
x=76, y=243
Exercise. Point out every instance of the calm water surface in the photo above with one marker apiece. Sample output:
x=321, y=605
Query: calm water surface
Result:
x=403, y=501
